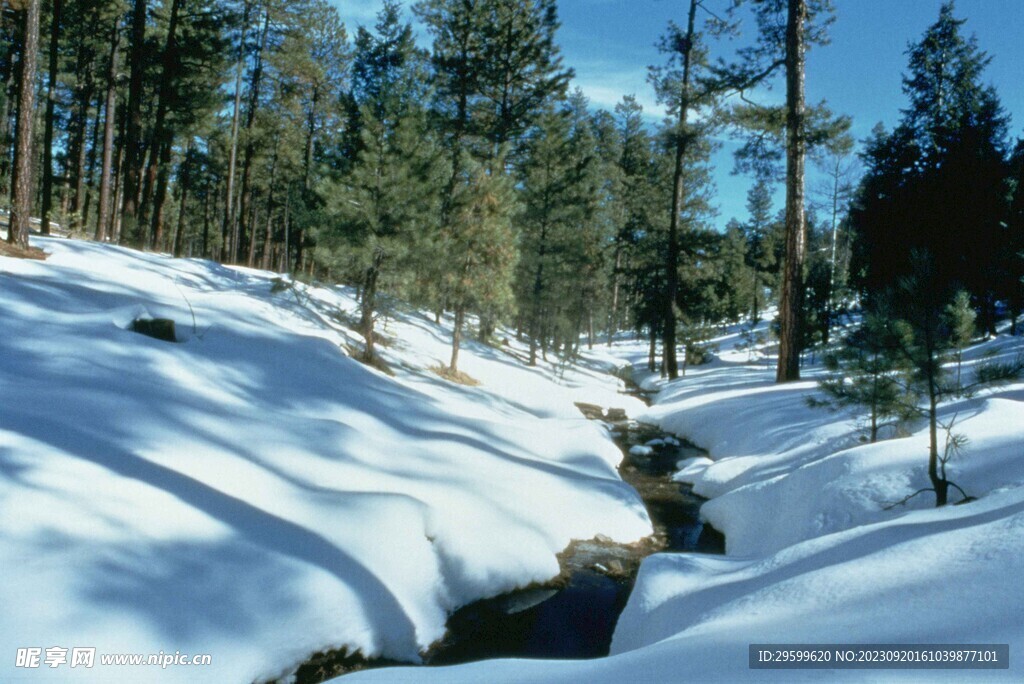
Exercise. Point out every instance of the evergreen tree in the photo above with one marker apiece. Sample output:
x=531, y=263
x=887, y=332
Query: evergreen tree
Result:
x=1014, y=248
x=480, y=240
x=786, y=29
x=673, y=85
x=603, y=305
x=936, y=184
x=931, y=328
x=688, y=85
x=867, y=370
x=634, y=202
x=737, y=282
x=764, y=238
x=458, y=33
x=817, y=300
x=558, y=241
x=522, y=69
x=386, y=203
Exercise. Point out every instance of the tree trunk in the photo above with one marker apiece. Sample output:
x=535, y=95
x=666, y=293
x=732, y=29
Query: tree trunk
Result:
x=103, y=215
x=652, y=348
x=307, y=164
x=17, y=231
x=184, y=178
x=939, y=482
x=115, y=224
x=268, y=234
x=229, y=248
x=90, y=174
x=682, y=141
x=538, y=290
x=163, y=137
x=250, y=220
x=367, y=305
x=790, y=309
x=250, y=260
x=250, y=144
x=205, y=254
x=6, y=140
x=78, y=146
x=460, y=315
x=51, y=97
x=613, y=315
x=132, y=166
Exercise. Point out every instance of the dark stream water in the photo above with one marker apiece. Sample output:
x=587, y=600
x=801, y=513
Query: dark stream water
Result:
x=574, y=616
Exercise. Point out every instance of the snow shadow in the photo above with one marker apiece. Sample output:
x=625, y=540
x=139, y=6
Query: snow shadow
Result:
x=257, y=527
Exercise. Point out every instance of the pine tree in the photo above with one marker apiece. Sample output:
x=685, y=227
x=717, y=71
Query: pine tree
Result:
x=457, y=29
x=786, y=29
x=737, y=282
x=317, y=61
x=386, y=204
x=109, y=124
x=480, y=239
x=937, y=183
x=560, y=239
x=763, y=236
x=868, y=370
x=133, y=160
x=1014, y=247
x=674, y=85
x=522, y=70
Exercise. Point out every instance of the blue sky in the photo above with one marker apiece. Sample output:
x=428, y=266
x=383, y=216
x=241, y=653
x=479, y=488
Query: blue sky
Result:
x=610, y=44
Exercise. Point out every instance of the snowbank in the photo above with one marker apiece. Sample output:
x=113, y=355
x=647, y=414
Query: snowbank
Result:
x=251, y=492
x=932, y=577
x=814, y=555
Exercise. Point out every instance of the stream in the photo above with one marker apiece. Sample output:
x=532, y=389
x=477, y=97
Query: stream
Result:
x=573, y=616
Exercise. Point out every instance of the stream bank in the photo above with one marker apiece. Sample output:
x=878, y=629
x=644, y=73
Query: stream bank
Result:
x=574, y=615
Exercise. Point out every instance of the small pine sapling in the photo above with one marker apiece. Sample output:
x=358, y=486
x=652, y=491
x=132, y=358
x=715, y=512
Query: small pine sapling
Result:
x=867, y=371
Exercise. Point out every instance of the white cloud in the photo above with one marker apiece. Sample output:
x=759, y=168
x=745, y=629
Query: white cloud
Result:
x=605, y=83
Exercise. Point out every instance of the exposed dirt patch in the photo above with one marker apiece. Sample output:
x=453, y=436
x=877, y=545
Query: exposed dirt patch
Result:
x=18, y=252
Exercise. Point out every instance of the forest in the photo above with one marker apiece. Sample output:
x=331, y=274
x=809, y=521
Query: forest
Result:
x=470, y=178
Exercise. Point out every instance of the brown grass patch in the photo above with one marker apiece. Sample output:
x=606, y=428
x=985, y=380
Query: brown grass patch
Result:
x=18, y=252
x=457, y=377
x=375, y=362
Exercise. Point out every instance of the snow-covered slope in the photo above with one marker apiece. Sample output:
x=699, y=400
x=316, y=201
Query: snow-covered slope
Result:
x=251, y=492
x=814, y=556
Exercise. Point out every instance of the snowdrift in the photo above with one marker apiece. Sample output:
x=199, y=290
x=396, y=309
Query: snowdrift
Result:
x=251, y=492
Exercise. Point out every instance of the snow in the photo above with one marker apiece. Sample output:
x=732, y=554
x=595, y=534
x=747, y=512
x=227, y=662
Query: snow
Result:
x=815, y=555
x=641, y=450
x=252, y=492
x=255, y=494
